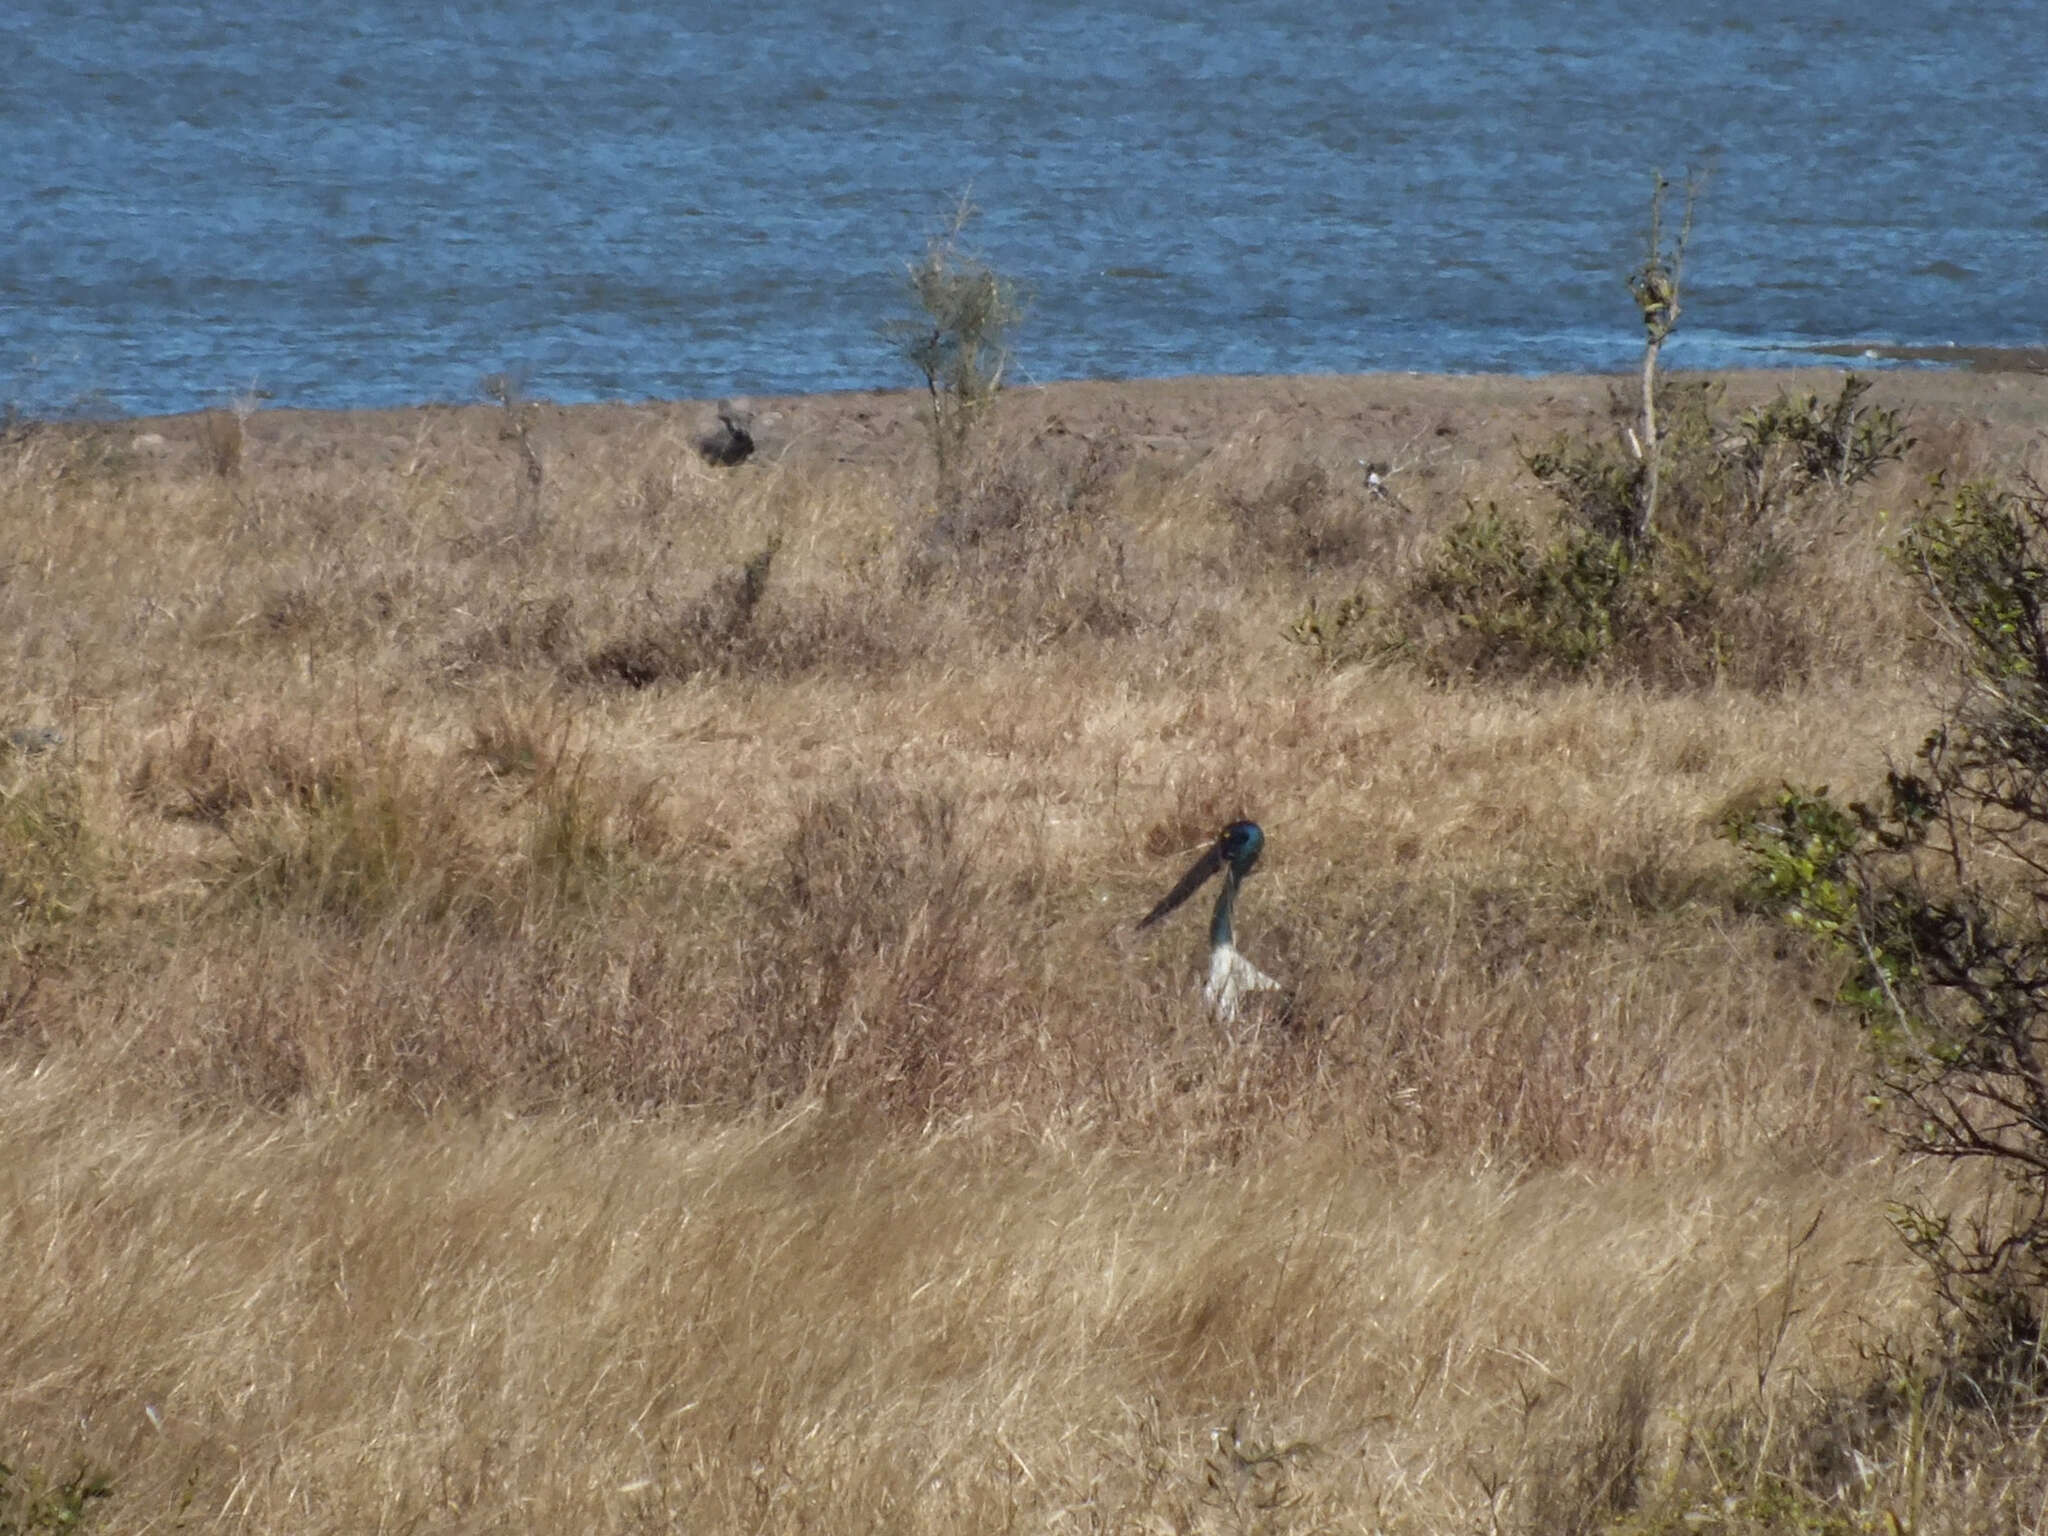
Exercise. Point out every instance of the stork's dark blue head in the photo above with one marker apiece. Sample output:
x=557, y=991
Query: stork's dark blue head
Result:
x=1236, y=849
x=1239, y=846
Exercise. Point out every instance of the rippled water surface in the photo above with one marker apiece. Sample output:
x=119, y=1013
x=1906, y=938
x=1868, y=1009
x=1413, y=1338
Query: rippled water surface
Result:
x=368, y=202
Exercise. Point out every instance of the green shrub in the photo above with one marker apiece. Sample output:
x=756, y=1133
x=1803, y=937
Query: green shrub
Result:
x=1837, y=444
x=1935, y=895
x=1597, y=486
x=1667, y=535
x=1697, y=599
x=1497, y=599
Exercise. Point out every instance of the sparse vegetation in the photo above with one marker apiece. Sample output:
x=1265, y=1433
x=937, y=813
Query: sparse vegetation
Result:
x=224, y=432
x=1724, y=591
x=220, y=442
x=46, y=849
x=626, y=1020
x=959, y=343
x=711, y=632
x=32, y=1503
x=1681, y=555
x=508, y=391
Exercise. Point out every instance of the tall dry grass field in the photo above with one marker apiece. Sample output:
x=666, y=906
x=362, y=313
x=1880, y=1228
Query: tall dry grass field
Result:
x=552, y=987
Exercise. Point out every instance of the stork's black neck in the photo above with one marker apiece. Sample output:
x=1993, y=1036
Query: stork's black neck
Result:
x=1219, y=921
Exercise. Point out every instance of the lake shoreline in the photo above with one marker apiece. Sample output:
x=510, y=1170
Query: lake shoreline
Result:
x=1383, y=417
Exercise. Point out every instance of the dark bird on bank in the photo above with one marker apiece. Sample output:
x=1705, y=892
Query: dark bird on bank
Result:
x=732, y=443
x=1233, y=855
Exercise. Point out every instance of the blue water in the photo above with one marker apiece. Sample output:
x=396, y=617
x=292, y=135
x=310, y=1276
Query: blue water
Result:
x=365, y=202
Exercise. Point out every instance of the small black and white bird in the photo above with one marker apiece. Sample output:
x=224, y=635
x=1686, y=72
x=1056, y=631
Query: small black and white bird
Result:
x=1377, y=474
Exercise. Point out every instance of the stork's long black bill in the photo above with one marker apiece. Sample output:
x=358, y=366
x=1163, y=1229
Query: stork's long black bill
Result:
x=1209, y=864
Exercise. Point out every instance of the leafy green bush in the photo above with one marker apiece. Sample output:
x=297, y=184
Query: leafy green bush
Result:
x=1557, y=605
x=1664, y=540
x=1492, y=600
x=1837, y=444
x=1935, y=895
x=1688, y=602
x=1598, y=487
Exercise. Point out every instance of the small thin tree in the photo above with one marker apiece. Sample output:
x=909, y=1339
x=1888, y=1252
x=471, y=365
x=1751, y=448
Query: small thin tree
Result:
x=959, y=341
x=508, y=391
x=1656, y=283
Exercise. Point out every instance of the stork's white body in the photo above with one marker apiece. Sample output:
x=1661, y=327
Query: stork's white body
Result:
x=1232, y=855
x=1230, y=977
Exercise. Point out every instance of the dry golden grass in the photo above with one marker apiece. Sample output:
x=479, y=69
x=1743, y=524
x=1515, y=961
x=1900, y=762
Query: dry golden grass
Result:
x=336, y=1319
x=608, y=1000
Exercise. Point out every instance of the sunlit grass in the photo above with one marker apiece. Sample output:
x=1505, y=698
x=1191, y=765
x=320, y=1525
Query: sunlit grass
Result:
x=616, y=1003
